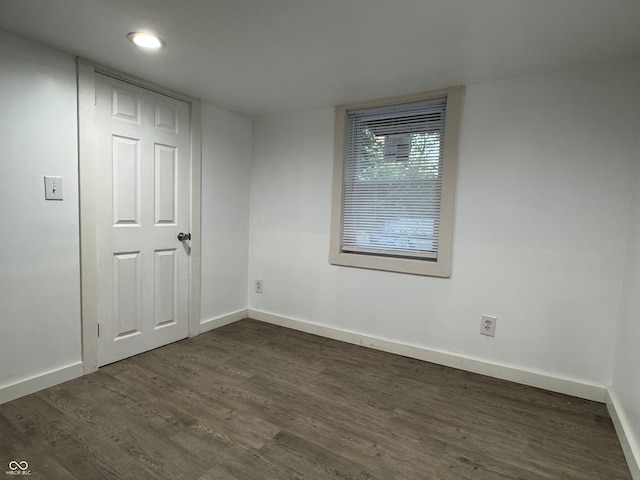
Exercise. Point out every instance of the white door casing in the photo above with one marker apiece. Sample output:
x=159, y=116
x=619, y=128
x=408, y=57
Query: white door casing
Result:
x=142, y=190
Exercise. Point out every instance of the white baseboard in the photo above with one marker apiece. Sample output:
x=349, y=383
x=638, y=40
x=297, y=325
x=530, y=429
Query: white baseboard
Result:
x=630, y=445
x=525, y=377
x=223, y=320
x=40, y=382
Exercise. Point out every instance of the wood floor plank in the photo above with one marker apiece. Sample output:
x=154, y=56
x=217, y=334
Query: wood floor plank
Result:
x=81, y=451
x=356, y=431
x=191, y=395
x=233, y=459
x=135, y=431
x=255, y=401
x=16, y=447
x=316, y=462
x=217, y=473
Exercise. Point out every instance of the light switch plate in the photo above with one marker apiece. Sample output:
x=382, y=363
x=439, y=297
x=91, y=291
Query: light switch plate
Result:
x=52, y=188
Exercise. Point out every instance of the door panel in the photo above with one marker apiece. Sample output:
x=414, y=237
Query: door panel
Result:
x=165, y=186
x=166, y=117
x=165, y=287
x=125, y=105
x=143, y=192
x=126, y=291
x=126, y=181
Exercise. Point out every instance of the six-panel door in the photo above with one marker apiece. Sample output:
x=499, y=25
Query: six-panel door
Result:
x=143, y=204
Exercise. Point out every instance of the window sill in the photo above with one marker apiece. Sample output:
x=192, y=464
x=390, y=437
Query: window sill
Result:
x=439, y=268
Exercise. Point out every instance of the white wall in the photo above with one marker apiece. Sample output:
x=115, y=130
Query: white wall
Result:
x=625, y=389
x=227, y=153
x=39, y=259
x=543, y=201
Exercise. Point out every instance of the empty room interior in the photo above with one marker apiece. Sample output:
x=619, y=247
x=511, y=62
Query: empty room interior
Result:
x=270, y=239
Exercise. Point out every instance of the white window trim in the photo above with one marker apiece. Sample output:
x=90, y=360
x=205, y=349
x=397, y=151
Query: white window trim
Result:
x=440, y=267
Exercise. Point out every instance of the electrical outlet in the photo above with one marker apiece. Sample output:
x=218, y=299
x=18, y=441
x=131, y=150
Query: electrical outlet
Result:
x=488, y=325
x=258, y=286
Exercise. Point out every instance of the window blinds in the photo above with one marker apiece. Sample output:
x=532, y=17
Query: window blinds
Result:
x=393, y=180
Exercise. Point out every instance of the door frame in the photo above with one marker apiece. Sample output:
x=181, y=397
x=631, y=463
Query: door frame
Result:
x=88, y=179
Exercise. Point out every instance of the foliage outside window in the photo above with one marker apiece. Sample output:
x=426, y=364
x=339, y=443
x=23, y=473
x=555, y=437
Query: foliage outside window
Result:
x=394, y=183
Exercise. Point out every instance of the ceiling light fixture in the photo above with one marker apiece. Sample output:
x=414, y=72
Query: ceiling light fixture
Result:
x=146, y=41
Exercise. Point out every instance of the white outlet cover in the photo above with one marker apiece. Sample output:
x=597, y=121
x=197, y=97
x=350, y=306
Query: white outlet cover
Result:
x=488, y=325
x=53, y=188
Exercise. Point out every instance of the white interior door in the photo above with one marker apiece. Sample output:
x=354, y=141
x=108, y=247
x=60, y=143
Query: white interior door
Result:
x=143, y=205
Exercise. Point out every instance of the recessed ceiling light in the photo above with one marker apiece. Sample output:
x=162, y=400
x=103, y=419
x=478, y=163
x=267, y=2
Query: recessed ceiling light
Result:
x=146, y=41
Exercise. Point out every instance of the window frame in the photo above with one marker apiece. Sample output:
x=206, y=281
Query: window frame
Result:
x=440, y=267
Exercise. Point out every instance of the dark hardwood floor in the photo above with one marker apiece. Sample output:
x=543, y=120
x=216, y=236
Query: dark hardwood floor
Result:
x=251, y=401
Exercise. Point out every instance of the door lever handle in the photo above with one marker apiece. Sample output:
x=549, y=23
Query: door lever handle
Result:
x=184, y=236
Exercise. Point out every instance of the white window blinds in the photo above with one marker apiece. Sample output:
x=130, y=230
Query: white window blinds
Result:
x=393, y=180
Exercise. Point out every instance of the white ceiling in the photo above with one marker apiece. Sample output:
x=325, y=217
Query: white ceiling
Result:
x=268, y=56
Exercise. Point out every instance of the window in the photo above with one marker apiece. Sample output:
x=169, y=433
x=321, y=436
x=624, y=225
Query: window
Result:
x=394, y=176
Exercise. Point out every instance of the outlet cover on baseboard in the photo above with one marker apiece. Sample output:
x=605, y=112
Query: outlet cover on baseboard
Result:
x=488, y=325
